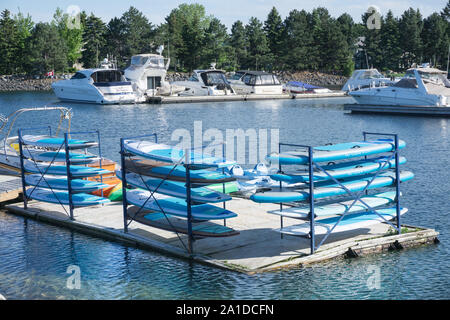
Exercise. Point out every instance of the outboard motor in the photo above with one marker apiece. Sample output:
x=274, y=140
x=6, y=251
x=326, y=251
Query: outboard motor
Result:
x=237, y=171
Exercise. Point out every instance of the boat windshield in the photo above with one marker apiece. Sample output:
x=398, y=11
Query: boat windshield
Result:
x=237, y=75
x=407, y=82
x=107, y=76
x=370, y=74
x=154, y=62
x=261, y=80
x=436, y=78
x=213, y=78
x=78, y=75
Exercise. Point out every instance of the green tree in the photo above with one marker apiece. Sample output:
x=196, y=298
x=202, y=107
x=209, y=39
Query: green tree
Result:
x=258, y=46
x=24, y=26
x=9, y=36
x=410, y=28
x=274, y=29
x=435, y=40
x=71, y=31
x=239, y=43
x=216, y=46
x=94, y=33
x=373, y=43
x=390, y=42
x=138, y=32
x=115, y=40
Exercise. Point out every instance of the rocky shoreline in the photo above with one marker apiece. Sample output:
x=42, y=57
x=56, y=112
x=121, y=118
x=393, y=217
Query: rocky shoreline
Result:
x=23, y=83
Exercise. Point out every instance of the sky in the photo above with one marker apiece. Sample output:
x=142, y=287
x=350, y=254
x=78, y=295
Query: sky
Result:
x=228, y=11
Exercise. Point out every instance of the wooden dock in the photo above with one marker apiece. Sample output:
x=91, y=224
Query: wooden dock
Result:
x=249, y=97
x=257, y=248
x=10, y=188
x=429, y=111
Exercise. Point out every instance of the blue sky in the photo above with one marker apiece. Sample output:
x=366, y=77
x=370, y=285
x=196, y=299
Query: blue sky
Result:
x=227, y=11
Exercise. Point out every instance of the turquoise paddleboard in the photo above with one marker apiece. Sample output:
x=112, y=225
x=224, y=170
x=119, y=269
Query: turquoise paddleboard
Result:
x=349, y=222
x=166, y=153
x=341, y=170
x=59, y=156
x=176, y=207
x=302, y=212
x=335, y=152
x=77, y=185
x=173, y=188
x=385, y=179
x=76, y=171
x=199, y=177
x=56, y=143
x=62, y=197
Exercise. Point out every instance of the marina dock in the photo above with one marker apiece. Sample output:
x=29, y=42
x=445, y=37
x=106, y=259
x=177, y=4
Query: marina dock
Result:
x=429, y=111
x=257, y=248
x=10, y=188
x=249, y=97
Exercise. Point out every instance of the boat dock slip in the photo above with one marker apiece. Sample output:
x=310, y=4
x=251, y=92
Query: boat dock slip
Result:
x=257, y=247
x=10, y=188
x=250, y=97
x=429, y=111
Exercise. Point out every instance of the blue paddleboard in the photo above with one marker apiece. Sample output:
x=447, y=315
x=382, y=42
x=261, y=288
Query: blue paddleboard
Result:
x=173, y=188
x=349, y=222
x=78, y=199
x=385, y=179
x=76, y=171
x=59, y=156
x=77, y=185
x=56, y=143
x=176, y=207
x=335, y=152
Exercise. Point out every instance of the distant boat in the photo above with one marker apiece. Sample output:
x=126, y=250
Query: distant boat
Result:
x=364, y=78
x=419, y=87
x=104, y=85
x=302, y=87
x=255, y=82
x=209, y=82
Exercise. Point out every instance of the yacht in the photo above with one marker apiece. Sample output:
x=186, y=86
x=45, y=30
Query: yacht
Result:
x=419, y=87
x=147, y=74
x=364, y=78
x=210, y=82
x=255, y=82
x=104, y=85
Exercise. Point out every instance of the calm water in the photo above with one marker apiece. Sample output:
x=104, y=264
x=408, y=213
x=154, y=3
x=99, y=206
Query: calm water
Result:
x=34, y=257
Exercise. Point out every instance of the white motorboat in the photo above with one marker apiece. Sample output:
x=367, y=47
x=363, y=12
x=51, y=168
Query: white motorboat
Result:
x=419, y=87
x=255, y=82
x=364, y=78
x=298, y=87
x=103, y=85
x=147, y=74
x=210, y=82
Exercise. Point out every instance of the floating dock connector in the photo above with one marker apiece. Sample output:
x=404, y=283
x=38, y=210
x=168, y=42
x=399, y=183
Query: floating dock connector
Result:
x=430, y=111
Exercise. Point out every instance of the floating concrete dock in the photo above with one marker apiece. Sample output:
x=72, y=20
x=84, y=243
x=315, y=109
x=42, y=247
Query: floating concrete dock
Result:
x=10, y=188
x=429, y=111
x=249, y=97
x=257, y=248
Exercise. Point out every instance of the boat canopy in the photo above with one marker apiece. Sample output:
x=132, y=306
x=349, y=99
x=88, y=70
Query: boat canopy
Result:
x=409, y=83
x=215, y=77
x=107, y=76
x=260, y=78
x=366, y=74
x=151, y=60
x=302, y=85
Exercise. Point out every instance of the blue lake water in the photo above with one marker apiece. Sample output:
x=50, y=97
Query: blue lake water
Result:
x=34, y=257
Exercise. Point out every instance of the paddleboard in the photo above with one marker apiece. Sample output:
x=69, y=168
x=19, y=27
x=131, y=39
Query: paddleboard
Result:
x=198, y=177
x=348, y=222
x=77, y=185
x=170, y=223
x=335, y=152
x=177, y=207
x=57, y=143
x=76, y=171
x=302, y=212
x=78, y=199
x=341, y=170
x=385, y=179
x=59, y=156
x=173, y=188
x=166, y=153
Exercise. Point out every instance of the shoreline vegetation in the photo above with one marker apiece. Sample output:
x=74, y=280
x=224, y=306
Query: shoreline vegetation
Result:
x=312, y=47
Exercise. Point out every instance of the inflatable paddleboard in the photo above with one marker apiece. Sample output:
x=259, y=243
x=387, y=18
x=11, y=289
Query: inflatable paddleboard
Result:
x=353, y=184
x=348, y=222
x=57, y=143
x=166, y=153
x=173, y=188
x=199, y=177
x=302, y=212
x=77, y=185
x=341, y=170
x=76, y=171
x=78, y=199
x=335, y=152
x=177, y=207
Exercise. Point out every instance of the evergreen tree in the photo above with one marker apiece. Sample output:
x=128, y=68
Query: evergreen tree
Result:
x=215, y=44
x=390, y=39
x=435, y=40
x=115, y=40
x=445, y=13
x=372, y=43
x=258, y=46
x=71, y=31
x=410, y=27
x=24, y=26
x=274, y=29
x=94, y=33
x=138, y=32
x=9, y=35
x=239, y=42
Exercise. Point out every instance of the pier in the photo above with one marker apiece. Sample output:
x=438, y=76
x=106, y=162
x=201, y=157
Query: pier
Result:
x=429, y=111
x=257, y=248
x=10, y=188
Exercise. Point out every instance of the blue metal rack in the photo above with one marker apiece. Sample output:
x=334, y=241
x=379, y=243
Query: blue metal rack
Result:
x=312, y=165
x=65, y=146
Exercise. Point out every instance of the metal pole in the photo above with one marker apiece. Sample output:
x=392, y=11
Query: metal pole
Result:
x=124, y=186
x=188, y=202
x=311, y=198
x=22, y=172
x=69, y=175
x=397, y=184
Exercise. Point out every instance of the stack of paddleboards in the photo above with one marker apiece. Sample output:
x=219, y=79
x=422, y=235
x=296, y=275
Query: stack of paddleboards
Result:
x=158, y=174
x=46, y=168
x=357, y=166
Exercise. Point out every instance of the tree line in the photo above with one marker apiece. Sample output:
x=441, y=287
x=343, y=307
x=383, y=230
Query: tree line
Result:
x=303, y=40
